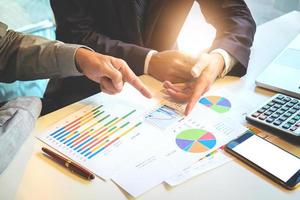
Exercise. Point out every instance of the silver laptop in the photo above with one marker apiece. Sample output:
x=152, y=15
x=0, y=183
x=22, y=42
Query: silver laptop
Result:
x=283, y=74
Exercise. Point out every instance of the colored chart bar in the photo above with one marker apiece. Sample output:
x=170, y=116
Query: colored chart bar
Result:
x=114, y=140
x=70, y=125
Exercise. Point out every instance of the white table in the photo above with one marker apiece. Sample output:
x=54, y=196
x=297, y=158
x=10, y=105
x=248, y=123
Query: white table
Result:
x=32, y=176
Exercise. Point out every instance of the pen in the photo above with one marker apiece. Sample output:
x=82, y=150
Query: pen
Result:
x=73, y=167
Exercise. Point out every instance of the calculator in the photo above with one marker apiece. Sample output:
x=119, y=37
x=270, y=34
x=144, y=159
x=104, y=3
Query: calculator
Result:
x=281, y=113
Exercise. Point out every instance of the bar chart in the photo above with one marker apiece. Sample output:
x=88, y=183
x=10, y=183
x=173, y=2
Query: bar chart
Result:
x=93, y=131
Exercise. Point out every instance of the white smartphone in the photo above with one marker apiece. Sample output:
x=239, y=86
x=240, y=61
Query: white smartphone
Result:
x=276, y=163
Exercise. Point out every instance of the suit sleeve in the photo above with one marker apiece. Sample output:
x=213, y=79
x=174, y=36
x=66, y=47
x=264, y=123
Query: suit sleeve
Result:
x=235, y=29
x=75, y=25
x=25, y=57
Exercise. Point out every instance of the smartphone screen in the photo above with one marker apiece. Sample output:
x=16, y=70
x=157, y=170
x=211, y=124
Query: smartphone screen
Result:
x=267, y=156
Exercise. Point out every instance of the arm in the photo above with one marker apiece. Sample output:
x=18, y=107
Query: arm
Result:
x=76, y=25
x=235, y=29
x=24, y=57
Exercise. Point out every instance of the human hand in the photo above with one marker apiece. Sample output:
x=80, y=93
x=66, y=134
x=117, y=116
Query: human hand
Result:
x=172, y=65
x=110, y=72
x=191, y=91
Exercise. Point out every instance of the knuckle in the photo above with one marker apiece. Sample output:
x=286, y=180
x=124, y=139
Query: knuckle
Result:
x=132, y=80
x=122, y=61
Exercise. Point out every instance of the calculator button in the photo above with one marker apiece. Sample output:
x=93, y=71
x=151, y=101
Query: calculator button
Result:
x=275, y=115
x=292, y=110
x=297, y=117
x=297, y=107
x=273, y=109
x=280, y=111
x=262, y=117
x=270, y=103
x=298, y=124
x=261, y=110
x=256, y=114
x=288, y=114
x=294, y=101
x=292, y=121
x=286, y=126
x=281, y=102
x=270, y=120
x=287, y=99
x=282, y=118
x=293, y=128
x=277, y=106
x=290, y=104
x=268, y=113
x=277, y=122
x=266, y=107
x=285, y=108
x=280, y=97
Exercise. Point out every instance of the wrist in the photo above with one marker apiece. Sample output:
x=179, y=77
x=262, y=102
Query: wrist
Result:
x=219, y=62
x=78, y=55
x=81, y=55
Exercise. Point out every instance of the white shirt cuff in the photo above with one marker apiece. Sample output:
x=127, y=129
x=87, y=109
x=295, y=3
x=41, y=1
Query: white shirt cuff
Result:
x=147, y=60
x=229, y=61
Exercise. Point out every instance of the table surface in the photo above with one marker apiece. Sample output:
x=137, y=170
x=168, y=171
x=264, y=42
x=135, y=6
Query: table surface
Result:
x=33, y=176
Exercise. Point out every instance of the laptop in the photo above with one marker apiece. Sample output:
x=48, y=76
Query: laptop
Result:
x=283, y=73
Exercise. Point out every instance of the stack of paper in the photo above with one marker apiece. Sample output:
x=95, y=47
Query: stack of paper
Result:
x=140, y=143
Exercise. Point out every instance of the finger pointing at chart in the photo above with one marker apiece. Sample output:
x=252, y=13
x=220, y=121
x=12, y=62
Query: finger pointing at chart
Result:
x=110, y=72
x=206, y=70
x=130, y=77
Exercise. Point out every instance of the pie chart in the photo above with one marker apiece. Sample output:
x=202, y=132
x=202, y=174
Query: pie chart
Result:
x=195, y=140
x=216, y=103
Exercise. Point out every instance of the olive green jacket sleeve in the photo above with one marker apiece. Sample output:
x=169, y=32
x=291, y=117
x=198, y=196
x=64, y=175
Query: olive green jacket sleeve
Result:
x=25, y=57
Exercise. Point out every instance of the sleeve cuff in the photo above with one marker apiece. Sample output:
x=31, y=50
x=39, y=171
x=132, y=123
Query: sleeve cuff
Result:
x=66, y=59
x=147, y=60
x=228, y=60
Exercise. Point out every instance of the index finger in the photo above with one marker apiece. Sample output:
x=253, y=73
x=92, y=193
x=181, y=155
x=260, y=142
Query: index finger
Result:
x=132, y=79
x=200, y=88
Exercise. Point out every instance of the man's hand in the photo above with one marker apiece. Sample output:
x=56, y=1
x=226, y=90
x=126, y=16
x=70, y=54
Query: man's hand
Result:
x=191, y=91
x=110, y=72
x=172, y=65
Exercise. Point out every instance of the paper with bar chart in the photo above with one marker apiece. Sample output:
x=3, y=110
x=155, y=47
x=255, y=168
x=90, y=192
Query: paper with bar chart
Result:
x=99, y=134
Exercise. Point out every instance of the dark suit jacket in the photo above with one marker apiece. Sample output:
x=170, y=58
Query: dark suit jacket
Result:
x=128, y=29
x=112, y=26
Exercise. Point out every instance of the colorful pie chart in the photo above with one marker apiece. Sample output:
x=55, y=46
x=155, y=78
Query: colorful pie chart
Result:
x=216, y=103
x=195, y=140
